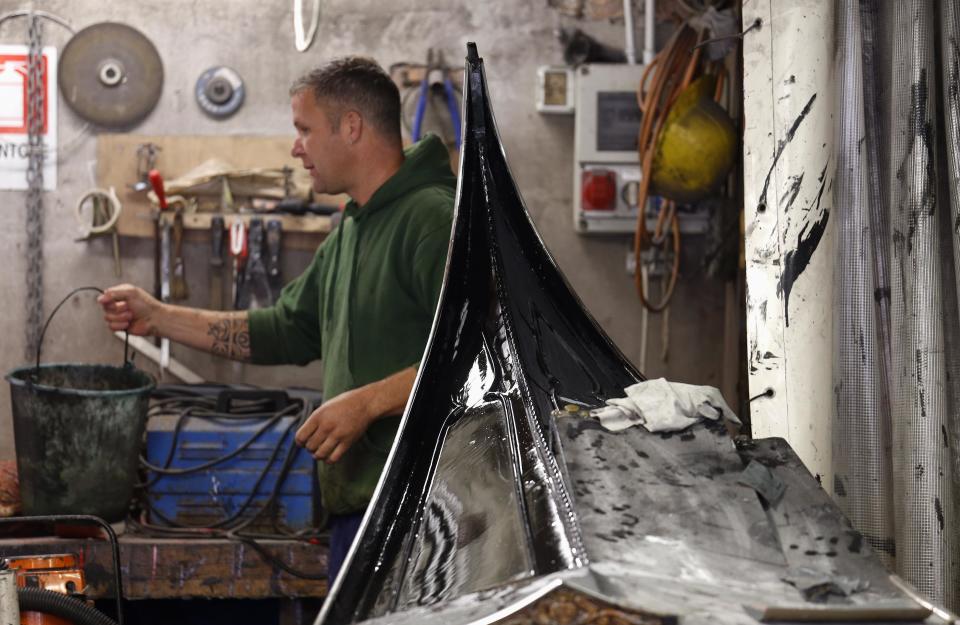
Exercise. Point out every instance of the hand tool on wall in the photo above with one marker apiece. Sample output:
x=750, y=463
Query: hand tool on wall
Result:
x=216, y=263
x=164, y=287
x=156, y=181
x=422, y=98
x=238, y=249
x=298, y=206
x=105, y=210
x=274, y=279
x=255, y=288
x=146, y=162
x=115, y=236
x=451, y=100
x=178, y=283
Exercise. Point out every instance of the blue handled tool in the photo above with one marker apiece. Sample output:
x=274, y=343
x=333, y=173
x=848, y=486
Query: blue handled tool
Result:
x=453, y=105
x=422, y=98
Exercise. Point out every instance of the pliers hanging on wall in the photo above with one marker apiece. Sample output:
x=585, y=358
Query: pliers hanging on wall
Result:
x=452, y=105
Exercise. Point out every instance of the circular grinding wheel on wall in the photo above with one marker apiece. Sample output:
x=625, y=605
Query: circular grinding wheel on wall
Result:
x=111, y=74
x=219, y=92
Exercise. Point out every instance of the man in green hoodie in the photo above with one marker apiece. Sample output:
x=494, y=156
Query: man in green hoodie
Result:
x=365, y=304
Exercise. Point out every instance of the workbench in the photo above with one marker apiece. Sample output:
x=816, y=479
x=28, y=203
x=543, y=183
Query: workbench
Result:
x=184, y=568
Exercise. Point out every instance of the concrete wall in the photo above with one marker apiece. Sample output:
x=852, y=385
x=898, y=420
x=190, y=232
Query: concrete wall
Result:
x=256, y=38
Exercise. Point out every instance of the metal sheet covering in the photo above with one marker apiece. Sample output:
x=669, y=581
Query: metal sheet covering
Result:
x=949, y=20
x=926, y=523
x=862, y=469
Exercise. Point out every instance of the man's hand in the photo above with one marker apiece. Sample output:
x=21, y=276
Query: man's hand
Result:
x=337, y=424
x=126, y=307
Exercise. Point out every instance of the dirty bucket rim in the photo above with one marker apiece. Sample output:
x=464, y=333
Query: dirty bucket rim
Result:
x=13, y=379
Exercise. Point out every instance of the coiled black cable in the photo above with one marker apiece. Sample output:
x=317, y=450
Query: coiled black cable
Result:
x=63, y=606
x=240, y=448
x=231, y=527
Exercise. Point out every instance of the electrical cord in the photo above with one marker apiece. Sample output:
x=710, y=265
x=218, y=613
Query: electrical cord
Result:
x=86, y=518
x=664, y=78
x=256, y=487
x=232, y=527
x=160, y=407
x=184, y=415
x=271, y=559
x=232, y=454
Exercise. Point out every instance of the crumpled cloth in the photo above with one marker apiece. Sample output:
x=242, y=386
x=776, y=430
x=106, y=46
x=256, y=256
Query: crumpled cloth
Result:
x=662, y=406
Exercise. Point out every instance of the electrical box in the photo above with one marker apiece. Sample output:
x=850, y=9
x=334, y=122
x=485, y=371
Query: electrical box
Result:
x=207, y=497
x=606, y=174
x=248, y=456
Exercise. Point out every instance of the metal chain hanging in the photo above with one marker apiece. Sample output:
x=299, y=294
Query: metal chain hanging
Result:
x=34, y=217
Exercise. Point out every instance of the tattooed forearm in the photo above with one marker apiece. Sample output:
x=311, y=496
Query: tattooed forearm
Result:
x=231, y=338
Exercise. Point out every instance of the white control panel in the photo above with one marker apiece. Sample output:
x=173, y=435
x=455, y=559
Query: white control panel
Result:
x=606, y=165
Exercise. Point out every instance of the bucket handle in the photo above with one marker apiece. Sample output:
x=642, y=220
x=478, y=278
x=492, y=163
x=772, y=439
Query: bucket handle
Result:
x=126, y=338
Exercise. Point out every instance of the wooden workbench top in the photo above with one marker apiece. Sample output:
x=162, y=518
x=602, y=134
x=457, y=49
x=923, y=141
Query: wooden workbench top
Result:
x=165, y=568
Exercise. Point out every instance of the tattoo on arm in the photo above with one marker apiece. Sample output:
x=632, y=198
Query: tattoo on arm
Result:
x=231, y=338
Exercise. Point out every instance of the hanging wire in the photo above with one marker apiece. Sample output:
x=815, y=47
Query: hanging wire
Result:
x=664, y=78
x=232, y=527
x=41, y=14
x=126, y=338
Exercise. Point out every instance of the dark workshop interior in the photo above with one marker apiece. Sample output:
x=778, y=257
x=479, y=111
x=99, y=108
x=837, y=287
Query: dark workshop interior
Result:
x=559, y=312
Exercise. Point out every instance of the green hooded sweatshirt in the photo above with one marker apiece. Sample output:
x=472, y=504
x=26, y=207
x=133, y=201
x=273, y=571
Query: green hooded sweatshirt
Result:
x=365, y=305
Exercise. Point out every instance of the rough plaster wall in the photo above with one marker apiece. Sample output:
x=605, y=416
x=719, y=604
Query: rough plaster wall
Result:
x=256, y=39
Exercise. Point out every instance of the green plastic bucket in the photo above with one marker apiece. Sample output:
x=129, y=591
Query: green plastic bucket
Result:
x=78, y=429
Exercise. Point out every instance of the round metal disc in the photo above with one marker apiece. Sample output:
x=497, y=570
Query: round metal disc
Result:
x=110, y=74
x=219, y=92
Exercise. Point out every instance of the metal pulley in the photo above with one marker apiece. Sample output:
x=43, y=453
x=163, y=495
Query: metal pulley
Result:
x=111, y=75
x=220, y=92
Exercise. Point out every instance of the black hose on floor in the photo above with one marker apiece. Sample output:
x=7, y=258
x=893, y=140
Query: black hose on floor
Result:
x=64, y=606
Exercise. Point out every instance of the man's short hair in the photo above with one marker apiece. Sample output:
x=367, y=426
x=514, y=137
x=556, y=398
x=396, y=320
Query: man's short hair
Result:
x=355, y=83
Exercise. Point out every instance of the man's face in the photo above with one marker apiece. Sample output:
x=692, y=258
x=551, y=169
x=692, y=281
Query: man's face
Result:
x=320, y=148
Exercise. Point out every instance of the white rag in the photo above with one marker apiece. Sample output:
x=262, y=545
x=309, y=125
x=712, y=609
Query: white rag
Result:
x=662, y=406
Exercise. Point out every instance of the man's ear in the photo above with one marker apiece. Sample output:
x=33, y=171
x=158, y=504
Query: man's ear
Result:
x=352, y=124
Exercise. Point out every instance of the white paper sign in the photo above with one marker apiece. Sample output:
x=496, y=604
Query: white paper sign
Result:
x=13, y=117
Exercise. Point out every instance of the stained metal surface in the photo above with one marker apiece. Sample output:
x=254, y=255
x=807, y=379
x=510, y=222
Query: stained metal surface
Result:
x=675, y=538
x=788, y=171
x=927, y=519
x=949, y=19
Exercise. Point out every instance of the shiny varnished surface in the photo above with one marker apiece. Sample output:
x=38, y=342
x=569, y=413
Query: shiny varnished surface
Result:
x=474, y=495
